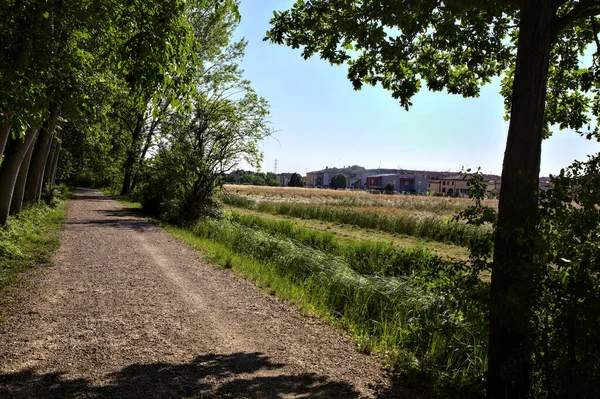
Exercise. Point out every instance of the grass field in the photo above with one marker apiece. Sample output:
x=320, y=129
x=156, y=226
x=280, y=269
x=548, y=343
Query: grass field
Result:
x=437, y=205
x=428, y=218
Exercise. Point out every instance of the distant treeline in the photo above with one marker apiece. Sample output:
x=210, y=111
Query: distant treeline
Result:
x=248, y=177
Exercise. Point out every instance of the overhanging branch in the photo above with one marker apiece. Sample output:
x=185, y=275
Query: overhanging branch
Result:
x=583, y=9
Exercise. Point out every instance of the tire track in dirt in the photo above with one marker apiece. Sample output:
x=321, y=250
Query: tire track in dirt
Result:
x=129, y=311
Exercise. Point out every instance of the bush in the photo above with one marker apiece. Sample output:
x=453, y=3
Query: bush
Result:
x=296, y=181
x=389, y=188
x=168, y=194
x=338, y=181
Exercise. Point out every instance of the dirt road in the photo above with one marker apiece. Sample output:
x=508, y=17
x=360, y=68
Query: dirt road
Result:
x=128, y=311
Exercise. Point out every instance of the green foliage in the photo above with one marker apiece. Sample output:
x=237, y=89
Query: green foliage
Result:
x=478, y=215
x=389, y=188
x=296, y=180
x=253, y=178
x=226, y=121
x=52, y=195
x=338, y=181
x=406, y=46
x=28, y=240
x=431, y=227
x=430, y=320
x=567, y=347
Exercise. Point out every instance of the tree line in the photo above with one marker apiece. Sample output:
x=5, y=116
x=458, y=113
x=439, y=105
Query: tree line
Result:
x=124, y=93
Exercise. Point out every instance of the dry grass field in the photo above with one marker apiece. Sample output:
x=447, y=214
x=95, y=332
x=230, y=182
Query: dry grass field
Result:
x=406, y=203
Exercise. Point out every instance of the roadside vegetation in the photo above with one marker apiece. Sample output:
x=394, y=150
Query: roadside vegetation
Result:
x=28, y=241
x=419, y=312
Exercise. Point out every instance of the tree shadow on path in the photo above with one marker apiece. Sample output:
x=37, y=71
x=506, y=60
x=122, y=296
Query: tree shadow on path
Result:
x=207, y=376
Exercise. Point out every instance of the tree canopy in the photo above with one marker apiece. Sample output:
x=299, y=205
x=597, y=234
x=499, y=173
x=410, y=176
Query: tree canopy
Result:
x=338, y=181
x=296, y=180
x=107, y=90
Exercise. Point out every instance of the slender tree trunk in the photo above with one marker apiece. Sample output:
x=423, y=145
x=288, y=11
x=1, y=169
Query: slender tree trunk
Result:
x=13, y=158
x=512, y=285
x=142, y=157
x=132, y=155
x=4, y=134
x=55, y=164
x=48, y=171
x=16, y=203
x=33, y=187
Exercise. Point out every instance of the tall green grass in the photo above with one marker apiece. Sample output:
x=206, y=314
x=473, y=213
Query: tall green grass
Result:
x=431, y=321
x=28, y=240
x=363, y=256
x=431, y=227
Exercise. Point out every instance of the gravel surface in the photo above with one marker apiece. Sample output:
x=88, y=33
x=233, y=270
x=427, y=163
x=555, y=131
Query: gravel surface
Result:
x=128, y=311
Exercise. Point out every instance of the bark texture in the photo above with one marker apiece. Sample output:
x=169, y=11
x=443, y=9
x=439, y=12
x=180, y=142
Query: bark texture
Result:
x=132, y=155
x=17, y=200
x=55, y=165
x=48, y=170
x=13, y=158
x=4, y=134
x=513, y=269
x=33, y=187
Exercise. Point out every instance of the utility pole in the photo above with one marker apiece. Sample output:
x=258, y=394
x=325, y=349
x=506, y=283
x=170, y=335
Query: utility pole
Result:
x=275, y=165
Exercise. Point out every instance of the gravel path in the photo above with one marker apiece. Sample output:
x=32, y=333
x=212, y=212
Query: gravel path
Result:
x=127, y=311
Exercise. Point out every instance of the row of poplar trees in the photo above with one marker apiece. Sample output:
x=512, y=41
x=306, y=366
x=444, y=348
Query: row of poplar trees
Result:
x=64, y=63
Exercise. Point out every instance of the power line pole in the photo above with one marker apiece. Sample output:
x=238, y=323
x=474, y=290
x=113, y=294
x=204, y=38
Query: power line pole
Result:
x=275, y=164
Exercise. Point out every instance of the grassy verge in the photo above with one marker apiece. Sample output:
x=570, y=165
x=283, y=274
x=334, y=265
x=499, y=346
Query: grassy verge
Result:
x=28, y=240
x=428, y=320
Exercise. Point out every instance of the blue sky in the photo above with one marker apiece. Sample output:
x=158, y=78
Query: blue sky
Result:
x=321, y=121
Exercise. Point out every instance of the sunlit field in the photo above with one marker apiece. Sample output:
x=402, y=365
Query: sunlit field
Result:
x=438, y=205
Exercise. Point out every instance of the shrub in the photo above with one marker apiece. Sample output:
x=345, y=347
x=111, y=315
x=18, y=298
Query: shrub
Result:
x=338, y=181
x=389, y=188
x=296, y=181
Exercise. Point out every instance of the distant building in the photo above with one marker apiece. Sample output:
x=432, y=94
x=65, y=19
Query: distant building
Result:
x=434, y=186
x=357, y=177
x=493, y=187
x=284, y=179
x=401, y=182
x=456, y=185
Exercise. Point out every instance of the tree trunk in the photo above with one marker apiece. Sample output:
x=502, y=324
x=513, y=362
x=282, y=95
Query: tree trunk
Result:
x=510, y=335
x=48, y=171
x=16, y=203
x=142, y=157
x=13, y=158
x=55, y=165
x=132, y=155
x=33, y=187
x=4, y=135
